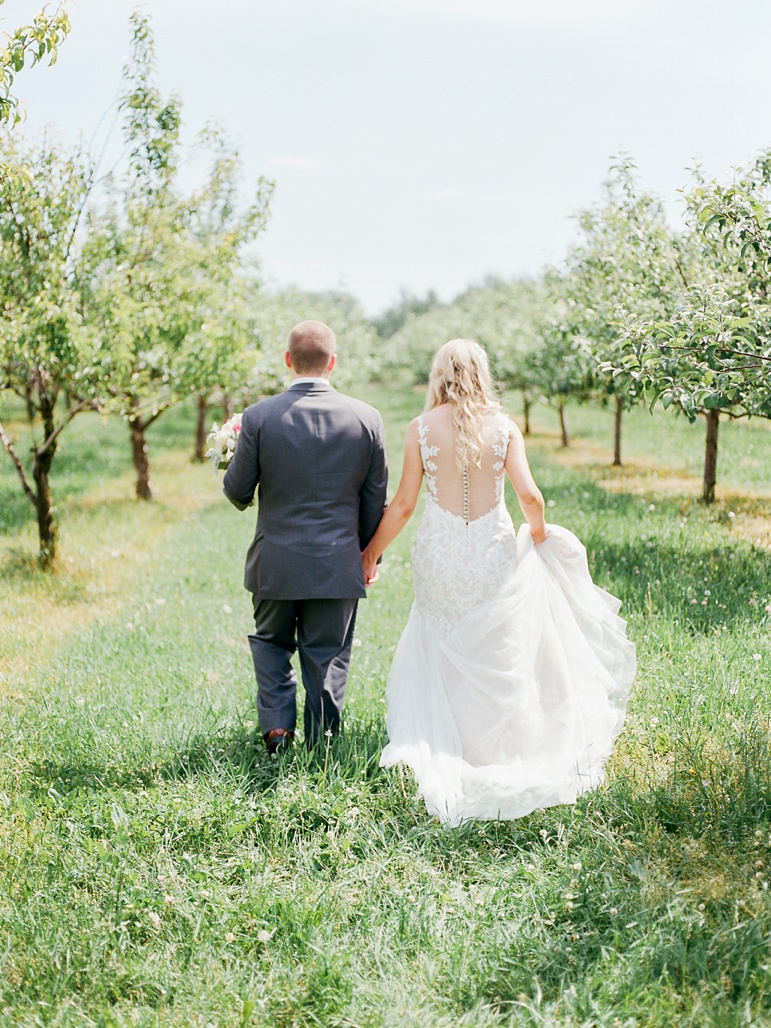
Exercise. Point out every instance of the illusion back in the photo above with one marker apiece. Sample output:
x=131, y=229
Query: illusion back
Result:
x=465, y=546
x=476, y=491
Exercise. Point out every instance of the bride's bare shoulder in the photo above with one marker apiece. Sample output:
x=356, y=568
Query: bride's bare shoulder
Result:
x=515, y=437
x=438, y=415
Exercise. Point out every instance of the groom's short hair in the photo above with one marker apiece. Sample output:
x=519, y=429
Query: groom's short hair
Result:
x=311, y=344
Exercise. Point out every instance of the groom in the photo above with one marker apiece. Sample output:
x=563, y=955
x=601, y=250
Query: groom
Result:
x=317, y=460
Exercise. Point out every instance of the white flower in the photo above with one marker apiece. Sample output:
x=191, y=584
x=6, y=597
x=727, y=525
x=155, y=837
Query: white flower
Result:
x=222, y=441
x=264, y=935
x=154, y=919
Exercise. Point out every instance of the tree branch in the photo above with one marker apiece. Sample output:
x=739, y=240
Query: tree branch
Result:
x=744, y=353
x=63, y=424
x=144, y=423
x=681, y=274
x=24, y=396
x=17, y=464
x=724, y=349
x=79, y=213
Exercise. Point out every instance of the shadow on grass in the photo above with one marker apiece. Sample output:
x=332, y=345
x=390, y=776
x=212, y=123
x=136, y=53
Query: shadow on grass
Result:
x=655, y=563
x=21, y=564
x=716, y=792
x=239, y=753
x=702, y=587
x=235, y=752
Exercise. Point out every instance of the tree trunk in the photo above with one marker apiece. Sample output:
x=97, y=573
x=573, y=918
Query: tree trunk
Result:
x=202, y=408
x=564, y=426
x=143, y=487
x=617, y=433
x=526, y=411
x=44, y=505
x=28, y=394
x=710, y=456
x=227, y=403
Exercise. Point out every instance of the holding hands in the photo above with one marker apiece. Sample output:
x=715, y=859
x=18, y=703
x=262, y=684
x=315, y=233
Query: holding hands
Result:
x=369, y=564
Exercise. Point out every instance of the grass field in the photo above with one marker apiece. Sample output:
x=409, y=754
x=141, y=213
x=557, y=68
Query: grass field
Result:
x=156, y=869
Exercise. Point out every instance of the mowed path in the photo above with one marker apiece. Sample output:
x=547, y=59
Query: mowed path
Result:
x=107, y=542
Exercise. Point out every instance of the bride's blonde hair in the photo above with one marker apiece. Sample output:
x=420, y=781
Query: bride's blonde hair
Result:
x=460, y=375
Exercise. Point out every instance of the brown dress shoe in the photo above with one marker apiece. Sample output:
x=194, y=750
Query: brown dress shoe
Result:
x=278, y=740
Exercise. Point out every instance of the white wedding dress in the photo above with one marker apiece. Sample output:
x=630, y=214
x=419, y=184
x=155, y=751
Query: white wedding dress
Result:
x=510, y=681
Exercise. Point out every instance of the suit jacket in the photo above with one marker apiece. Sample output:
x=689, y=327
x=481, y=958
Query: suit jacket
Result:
x=317, y=460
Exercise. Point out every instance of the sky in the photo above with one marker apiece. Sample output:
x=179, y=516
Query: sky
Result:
x=424, y=144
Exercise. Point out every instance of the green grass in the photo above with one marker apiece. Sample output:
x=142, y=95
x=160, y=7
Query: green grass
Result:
x=157, y=869
x=668, y=440
x=91, y=451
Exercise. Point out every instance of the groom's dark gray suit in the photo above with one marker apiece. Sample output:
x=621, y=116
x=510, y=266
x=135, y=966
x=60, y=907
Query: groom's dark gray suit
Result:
x=317, y=461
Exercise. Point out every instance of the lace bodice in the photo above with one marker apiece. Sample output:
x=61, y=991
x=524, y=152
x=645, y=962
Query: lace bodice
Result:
x=477, y=490
x=466, y=545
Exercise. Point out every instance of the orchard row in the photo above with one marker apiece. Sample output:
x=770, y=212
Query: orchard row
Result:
x=125, y=294
x=638, y=312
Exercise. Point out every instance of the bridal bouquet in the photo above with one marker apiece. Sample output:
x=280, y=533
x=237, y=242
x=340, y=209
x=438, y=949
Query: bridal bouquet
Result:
x=222, y=442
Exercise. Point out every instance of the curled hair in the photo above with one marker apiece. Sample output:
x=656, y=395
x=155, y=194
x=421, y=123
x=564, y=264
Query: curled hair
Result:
x=460, y=375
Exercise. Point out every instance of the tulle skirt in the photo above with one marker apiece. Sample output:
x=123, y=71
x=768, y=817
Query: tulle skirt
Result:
x=516, y=705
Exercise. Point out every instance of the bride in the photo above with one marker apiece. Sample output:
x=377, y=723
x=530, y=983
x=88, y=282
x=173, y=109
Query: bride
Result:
x=510, y=681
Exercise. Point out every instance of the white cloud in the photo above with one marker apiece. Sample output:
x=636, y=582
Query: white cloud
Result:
x=537, y=13
x=294, y=162
x=445, y=195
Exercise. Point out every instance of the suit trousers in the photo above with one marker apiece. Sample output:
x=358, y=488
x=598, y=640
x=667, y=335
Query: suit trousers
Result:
x=322, y=632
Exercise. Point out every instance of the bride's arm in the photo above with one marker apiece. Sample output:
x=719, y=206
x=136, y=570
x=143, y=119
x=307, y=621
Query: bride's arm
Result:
x=528, y=493
x=399, y=510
